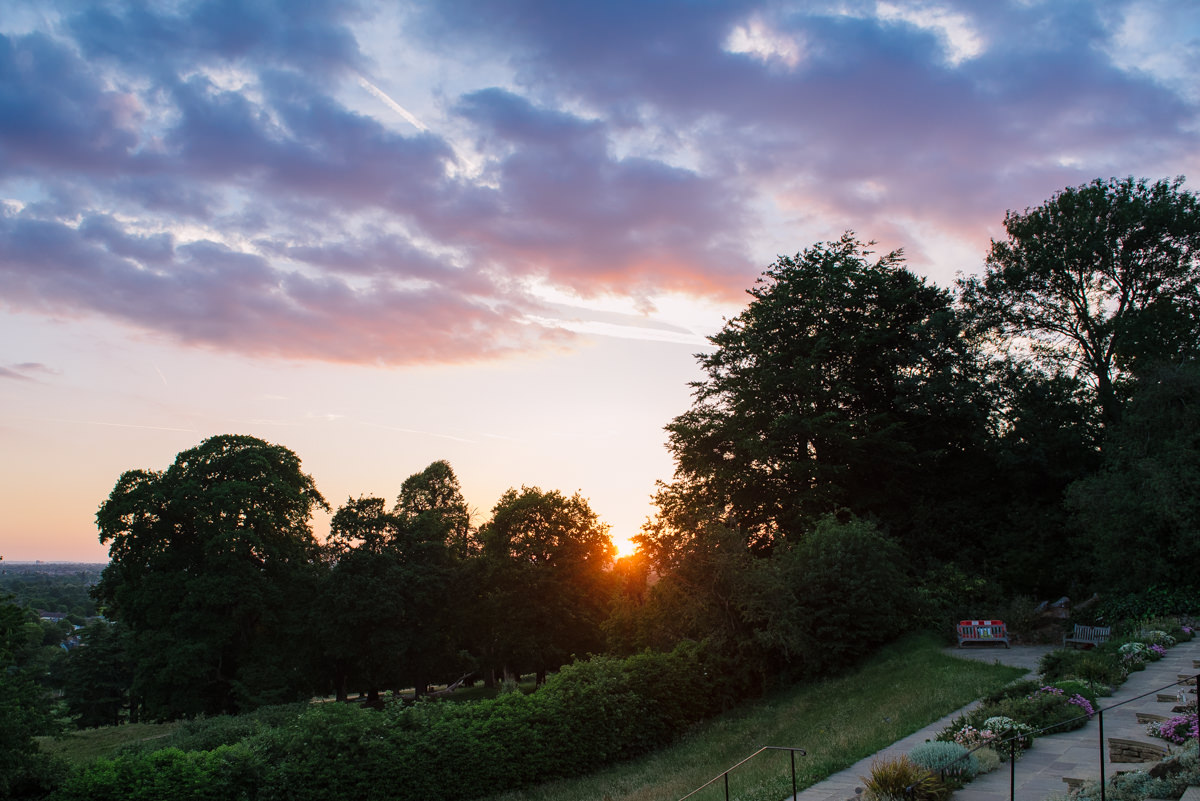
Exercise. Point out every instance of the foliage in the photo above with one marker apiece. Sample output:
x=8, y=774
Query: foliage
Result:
x=851, y=592
x=1168, y=779
x=25, y=709
x=329, y=749
x=383, y=620
x=1073, y=687
x=209, y=733
x=1101, y=280
x=1099, y=666
x=1145, y=499
x=99, y=675
x=433, y=500
x=546, y=582
x=900, y=778
x=1154, y=600
x=52, y=587
x=988, y=760
x=946, y=593
x=223, y=774
x=950, y=761
x=213, y=567
x=845, y=384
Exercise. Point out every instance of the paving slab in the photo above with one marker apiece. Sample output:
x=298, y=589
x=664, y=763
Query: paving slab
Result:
x=1040, y=773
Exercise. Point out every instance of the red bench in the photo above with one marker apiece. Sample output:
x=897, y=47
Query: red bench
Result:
x=989, y=632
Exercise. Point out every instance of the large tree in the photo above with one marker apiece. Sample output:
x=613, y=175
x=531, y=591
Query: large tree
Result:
x=1138, y=516
x=387, y=597
x=846, y=383
x=1101, y=281
x=213, y=564
x=544, y=580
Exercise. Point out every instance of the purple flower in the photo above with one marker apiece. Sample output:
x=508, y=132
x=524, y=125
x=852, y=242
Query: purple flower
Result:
x=1082, y=703
x=1178, y=729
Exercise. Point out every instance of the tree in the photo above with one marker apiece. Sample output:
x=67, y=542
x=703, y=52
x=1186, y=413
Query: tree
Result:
x=1138, y=515
x=546, y=560
x=385, y=600
x=25, y=708
x=433, y=499
x=213, y=565
x=1101, y=281
x=98, y=676
x=845, y=384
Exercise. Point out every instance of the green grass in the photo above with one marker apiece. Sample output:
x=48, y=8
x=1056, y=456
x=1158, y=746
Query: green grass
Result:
x=80, y=747
x=837, y=722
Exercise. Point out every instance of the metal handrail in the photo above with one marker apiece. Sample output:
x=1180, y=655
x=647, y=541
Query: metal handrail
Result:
x=725, y=774
x=1099, y=713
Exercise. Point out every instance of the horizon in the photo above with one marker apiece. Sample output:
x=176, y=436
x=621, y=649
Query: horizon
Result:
x=383, y=235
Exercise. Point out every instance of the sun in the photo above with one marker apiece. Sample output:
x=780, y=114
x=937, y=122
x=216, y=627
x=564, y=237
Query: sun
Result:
x=625, y=546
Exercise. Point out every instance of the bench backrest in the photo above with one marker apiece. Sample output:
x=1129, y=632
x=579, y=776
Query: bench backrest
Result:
x=981, y=628
x=1096, y=634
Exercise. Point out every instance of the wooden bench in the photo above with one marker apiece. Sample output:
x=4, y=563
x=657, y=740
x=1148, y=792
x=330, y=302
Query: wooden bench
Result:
x=990, y=632
x=1087, y=636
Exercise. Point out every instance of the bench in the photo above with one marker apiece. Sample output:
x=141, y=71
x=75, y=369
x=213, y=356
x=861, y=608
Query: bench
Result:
x=990, y=632
x=1087, y=636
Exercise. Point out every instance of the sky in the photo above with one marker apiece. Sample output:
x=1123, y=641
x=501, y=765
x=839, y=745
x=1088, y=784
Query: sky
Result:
x=496, y=233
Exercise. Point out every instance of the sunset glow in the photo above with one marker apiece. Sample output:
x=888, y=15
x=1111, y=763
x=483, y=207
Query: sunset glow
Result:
x=496, y=234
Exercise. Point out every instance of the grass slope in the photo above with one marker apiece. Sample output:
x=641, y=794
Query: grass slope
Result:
x=86, y=745
x=839, y=721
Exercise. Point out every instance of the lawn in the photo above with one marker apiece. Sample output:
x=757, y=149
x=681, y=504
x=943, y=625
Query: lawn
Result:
x=837, y=721
x=80, y=747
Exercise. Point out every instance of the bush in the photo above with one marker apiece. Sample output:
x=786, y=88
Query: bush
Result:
x=1100, y=667
x=850, y=588
x=902, y=780
x=228, y=772
x=1155, y=601
x=206, y=734
x=951, y=762
x=1072, y=687
x=1168, y=779
x=988, y=760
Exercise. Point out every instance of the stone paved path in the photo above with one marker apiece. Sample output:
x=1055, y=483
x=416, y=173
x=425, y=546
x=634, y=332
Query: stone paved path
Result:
x=1040, y=772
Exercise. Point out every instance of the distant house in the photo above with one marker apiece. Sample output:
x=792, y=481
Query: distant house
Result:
x=52, y=617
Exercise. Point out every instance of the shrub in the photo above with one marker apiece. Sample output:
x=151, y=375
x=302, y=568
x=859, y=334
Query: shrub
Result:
x=1017, y=689
x=1100, y=667
x=902, y=780
x=224, y=773
x=1072, y=687
x=1152, y=602
x=1168, y=779
x=206, y=734
x=988, y=760
x=953, y=763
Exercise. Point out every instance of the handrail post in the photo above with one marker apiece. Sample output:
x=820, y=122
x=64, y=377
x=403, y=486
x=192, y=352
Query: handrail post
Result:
x=1012, y=769
x=726, y=785
x=1103, y=780
x=792, y=754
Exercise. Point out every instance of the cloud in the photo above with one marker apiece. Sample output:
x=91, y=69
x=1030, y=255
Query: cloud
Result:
x=26, y=371
x=201, y=171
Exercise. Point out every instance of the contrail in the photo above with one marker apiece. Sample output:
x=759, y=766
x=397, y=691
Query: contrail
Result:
x=392, y=104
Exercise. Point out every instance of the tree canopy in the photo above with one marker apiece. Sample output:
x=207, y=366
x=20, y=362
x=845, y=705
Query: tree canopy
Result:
x=212, y=561
x=1100, y=281
x=846, y=383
